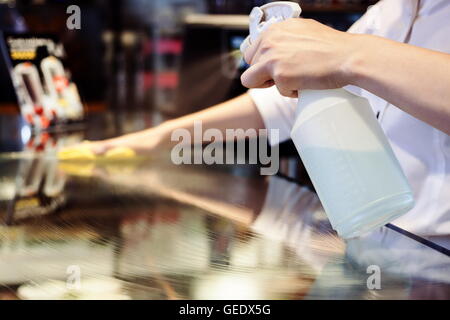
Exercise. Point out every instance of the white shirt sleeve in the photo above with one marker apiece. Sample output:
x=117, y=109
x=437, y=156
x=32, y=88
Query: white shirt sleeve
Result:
x=368, y=21
x=277, y=111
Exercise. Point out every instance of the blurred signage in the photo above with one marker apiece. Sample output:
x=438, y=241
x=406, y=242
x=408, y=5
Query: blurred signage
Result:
x=46, y=96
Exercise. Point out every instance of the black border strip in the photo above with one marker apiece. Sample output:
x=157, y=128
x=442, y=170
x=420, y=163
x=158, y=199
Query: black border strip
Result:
x=417, y=238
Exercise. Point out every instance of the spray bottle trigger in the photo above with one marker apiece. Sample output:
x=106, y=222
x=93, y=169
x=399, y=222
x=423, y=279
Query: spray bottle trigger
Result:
x=256, y=16
x=245, y=44
x=262, y=17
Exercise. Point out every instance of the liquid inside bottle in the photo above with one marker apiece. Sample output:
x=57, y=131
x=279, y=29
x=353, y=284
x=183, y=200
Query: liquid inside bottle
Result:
x=350, y=162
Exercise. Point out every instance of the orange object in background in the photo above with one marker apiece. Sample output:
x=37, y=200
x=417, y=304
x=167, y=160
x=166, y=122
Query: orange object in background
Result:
x=61, y=83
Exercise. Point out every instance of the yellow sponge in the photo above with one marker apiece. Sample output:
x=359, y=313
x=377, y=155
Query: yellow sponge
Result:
x=76, y=153
x=84, y=153
x=120, y=153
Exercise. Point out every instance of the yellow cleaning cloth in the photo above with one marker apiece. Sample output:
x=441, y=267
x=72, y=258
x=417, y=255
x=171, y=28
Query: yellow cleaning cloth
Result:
x=120, y=153
x=81, y=153
x=84, y=153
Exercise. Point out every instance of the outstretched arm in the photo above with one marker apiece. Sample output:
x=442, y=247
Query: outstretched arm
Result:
x=239, y=112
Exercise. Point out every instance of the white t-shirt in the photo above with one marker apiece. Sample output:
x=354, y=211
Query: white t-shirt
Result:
x=423, y=151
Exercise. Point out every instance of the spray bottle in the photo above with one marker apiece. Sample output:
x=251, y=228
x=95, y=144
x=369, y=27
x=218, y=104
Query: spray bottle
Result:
x=345, y=152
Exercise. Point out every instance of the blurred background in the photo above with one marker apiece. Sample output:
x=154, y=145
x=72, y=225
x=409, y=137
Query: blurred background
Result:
x=139, y=61
x=159, y=230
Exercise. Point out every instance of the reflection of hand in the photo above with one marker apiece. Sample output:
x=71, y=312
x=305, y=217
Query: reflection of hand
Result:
x=298, y=54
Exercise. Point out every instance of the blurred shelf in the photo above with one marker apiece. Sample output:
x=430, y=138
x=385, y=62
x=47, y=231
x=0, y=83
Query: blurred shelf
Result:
x=334, y=8
x=13, y=108
x=222, y=20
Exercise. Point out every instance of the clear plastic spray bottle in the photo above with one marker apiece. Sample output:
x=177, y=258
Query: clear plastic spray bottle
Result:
x=345, y=152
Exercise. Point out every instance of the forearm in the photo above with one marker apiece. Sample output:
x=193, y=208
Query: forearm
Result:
x=414, y=79
x=237, y=113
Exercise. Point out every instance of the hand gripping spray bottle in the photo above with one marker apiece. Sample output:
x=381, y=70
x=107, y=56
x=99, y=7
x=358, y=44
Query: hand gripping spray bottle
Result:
x=348, y=158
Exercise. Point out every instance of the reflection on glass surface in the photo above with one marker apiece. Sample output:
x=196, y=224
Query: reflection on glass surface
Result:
x=151, y=230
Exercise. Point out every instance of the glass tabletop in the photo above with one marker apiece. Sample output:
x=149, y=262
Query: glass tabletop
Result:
x=147, y=229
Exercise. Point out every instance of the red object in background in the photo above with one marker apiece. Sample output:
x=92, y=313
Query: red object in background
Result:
x=168, y=216
x=61, y=82
x=44, y=137
x=148, y=79
x=40, y=147
x=45, y=123
x=147, y=48
x=29, y=118
x=39, y=110
x=42, y=140
x=168, y=80
x=30, y=142
x=171, y=46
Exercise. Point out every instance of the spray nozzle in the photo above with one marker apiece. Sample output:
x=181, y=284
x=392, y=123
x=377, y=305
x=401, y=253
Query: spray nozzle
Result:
x=262, y=17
